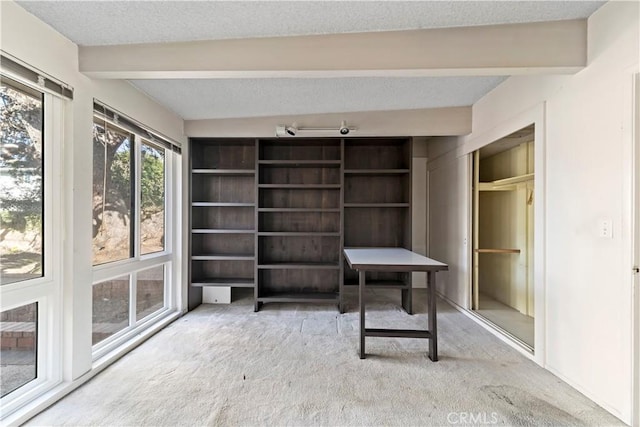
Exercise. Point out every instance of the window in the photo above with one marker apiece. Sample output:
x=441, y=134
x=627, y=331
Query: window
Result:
x=18, y=330
x=110, y=307
x=112, y=193
x=149, y=291
x=152, y=203
x=132, y=246
x=31, y=119
x=21, y=183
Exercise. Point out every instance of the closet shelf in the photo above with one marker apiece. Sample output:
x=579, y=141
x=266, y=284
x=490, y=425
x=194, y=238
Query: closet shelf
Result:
x=498, y=251
x=506, y=184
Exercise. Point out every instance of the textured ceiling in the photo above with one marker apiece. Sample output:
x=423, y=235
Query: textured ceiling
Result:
x=225, y=98
x=123, y=22
x=120, y=22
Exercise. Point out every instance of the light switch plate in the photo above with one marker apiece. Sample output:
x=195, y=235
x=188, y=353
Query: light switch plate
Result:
x=605, y=228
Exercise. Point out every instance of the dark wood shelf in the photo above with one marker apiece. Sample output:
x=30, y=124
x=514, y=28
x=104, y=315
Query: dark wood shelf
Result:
x=222, y=217
x=222, y=205
x=377, y=205
x=230, y=282
x=376, y=171
x=301, y=163
x=220, y=231
x=299, y=266
x=299, y=233
x=300, y=210
x=301, y=186
x=224, y=171
x=302, y=297
x=380, y=284
x=250, y=197
x=223, y=257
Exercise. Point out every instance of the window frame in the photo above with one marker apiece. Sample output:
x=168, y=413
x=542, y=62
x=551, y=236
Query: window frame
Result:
x=46, y=290
x=167, y=190
x=138, y=262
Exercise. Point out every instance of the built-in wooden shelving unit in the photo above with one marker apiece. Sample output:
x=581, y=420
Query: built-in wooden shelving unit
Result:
x=223, y=202
x=377, y=203
x=275, y=214
x=299, y=221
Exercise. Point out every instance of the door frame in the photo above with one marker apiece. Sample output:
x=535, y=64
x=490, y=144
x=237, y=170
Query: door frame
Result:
x=635, y=327
x=536, y=116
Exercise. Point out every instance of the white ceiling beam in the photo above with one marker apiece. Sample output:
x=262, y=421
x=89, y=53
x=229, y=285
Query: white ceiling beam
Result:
x=544, y=47
x=431, y=121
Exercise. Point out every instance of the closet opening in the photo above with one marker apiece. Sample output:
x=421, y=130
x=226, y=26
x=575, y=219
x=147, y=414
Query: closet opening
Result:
x=503, y=226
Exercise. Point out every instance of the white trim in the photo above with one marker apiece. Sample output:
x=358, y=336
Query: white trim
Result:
x=168, y=258
x=112, y=270
x=45, y=290
x=184, y=210
x=537, y=116
x=490, y=327
x=136, y=155
x=45, y=400
x=468, y=199
x=635, y=207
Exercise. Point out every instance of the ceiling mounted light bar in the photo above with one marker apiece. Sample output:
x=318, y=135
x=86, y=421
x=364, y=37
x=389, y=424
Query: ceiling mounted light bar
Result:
x=293, y=130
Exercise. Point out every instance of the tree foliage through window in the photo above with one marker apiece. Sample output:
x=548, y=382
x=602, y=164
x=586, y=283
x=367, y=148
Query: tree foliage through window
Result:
x=113, y=194
x=21, y=183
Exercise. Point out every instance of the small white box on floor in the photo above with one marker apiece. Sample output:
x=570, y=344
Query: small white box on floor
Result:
x=216, y=295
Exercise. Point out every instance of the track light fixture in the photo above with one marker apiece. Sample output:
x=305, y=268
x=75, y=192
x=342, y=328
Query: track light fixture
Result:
x=344, y=130
x=293, y=130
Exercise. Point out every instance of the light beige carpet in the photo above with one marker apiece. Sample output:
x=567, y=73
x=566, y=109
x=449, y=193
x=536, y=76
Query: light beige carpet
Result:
x=295, y=365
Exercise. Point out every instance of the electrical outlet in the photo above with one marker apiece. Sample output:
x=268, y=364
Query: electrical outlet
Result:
x=605, y=228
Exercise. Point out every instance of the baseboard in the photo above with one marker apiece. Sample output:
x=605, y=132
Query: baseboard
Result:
x=595, y=399
x=499, y=333
x=523, y=349
x=38, y=405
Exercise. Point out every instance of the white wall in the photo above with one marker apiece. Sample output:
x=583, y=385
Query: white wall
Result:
x=38, y=45
x=584, y=142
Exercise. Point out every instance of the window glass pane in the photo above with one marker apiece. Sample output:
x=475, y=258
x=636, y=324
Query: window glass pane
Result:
x=18, y=331
x=21, y=189
x=149, y=291
x=112, y=195
x=110, y=308
x=152, y=200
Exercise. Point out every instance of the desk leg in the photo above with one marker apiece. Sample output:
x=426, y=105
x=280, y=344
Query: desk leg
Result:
x=361, y=298
x=433, y=327
x=406, y=300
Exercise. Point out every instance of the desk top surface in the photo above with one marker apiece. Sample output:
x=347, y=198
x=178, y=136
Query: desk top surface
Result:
x=390, y=259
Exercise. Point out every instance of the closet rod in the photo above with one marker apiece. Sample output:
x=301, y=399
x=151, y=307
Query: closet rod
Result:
x=498, y=251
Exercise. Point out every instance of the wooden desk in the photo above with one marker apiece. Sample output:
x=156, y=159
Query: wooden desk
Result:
x=400, y=260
